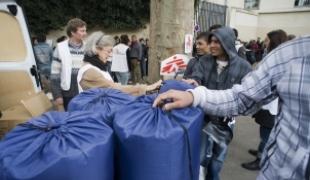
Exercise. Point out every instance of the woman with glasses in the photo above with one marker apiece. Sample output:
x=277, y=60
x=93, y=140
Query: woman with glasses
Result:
x=94, y=72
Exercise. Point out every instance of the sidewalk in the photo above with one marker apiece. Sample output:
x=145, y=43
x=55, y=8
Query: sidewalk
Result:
x=246, y=136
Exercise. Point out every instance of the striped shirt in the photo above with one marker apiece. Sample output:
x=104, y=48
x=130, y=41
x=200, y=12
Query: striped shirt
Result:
x=77, y=55
x=284, y=73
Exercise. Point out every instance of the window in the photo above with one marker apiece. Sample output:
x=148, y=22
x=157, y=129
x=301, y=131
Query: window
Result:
x=251, y=4
x=302, y=3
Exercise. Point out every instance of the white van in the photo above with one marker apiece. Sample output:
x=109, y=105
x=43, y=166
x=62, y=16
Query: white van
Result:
x=20, y=92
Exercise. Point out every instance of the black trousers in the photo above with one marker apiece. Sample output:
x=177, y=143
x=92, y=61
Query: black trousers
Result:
x=66, y=101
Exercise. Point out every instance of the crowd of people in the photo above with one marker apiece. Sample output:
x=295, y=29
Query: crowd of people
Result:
x=222, y=61
x=227, y=86
x=275, y=93
x=100, y=61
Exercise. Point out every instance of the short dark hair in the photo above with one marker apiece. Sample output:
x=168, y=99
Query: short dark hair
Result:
x=203, y=35
x=61, y=38
x=73, y=25
x=276, y=38
x=41, y=38
x=141, y=39
x=116, y=38
x=214, y=27
x=291, y=36
x=124, y=39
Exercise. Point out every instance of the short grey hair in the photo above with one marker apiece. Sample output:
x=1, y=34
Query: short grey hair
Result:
x=97, y=40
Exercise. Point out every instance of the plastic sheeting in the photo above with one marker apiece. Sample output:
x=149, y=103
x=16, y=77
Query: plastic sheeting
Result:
x=103, y=100
x=59, y=146
x=155, y=145
x=176, y=85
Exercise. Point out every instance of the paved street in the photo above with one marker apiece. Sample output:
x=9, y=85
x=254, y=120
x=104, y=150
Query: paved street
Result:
x=246, y=136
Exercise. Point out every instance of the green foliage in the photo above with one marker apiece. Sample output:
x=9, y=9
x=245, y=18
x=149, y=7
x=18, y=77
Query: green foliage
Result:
x=46, y=15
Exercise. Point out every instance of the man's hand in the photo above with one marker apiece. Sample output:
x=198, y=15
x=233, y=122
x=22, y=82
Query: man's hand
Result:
x=179, y=99
x=191, y=81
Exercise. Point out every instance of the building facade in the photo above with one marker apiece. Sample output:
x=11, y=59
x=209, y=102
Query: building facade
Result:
x=255, y=18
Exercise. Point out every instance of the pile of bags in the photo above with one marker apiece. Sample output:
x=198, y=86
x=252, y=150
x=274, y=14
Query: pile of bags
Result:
x=106, y=135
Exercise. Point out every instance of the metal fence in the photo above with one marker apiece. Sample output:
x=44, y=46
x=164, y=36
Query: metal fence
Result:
x=210, y=14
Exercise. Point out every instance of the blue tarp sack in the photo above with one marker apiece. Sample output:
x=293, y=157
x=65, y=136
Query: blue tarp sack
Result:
x=154, y=144
x=174, y=84
x=59, y=146
x=103, y=100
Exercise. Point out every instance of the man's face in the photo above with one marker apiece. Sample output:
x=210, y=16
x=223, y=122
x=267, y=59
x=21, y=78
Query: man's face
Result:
x=202, y=46
x=80, y=34
x=216, y=48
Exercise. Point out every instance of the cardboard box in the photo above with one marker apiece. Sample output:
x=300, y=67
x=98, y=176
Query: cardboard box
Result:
x=32, y=106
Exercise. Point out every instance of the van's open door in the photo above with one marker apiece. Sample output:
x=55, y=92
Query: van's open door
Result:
x=19, y=80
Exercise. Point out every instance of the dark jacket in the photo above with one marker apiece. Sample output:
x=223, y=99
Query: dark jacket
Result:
x=264, y=118
x=205, y=72
x=190, y=67
x=135, y=51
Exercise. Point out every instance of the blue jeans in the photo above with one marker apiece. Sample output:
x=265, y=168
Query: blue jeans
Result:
x=264, y=135
x=122, y=77
x=214, y=156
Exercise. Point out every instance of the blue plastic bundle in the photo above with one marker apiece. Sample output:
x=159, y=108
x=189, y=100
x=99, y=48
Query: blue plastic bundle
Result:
x=176, y=85
x=59, y=146
x=154, y=144
x=103, y=100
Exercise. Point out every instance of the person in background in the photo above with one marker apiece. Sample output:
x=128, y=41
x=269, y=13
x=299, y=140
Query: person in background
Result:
x=94, y=74
x=34, y=41
x=219, y=70
x=147, y=55
x=239, y=46
x=60, y=39
x=266, y=116
x=121, y=61
x=291, y=37
x=202, y=49
x=44, y=55
x=67, y=59
x=135, y=55
x=116, y=40
x=143, y=59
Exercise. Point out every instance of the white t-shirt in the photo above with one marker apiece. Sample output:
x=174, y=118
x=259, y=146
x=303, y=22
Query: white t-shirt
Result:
x=119, y=58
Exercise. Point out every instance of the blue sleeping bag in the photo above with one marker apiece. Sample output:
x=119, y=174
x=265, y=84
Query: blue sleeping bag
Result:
x=103, y=100
x=157, y=145
x=59, y=146
x=174, y=84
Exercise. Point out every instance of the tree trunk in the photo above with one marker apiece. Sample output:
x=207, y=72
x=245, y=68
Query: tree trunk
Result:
x=170, y=21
